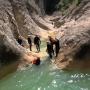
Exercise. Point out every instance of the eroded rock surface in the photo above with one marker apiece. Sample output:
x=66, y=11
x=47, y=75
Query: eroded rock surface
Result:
x=15, y=20
x=23, y=17
x=75, y=39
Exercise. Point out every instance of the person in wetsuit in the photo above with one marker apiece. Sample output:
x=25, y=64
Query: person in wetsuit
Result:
x=37, y=42
x=52, y=41
x=49, y=49
x=57, y=46
x=29, y=42
x=20, y=41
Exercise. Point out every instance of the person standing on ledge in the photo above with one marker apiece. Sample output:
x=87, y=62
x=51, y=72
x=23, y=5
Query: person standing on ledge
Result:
x=37, y=42
x=52, y=41
x=29, y=42
x=57, y=46
x=49, y=49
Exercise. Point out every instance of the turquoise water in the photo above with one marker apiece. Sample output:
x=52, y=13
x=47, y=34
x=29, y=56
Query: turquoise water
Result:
x=46, y=77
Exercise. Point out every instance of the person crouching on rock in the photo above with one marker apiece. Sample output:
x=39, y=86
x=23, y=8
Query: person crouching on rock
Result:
x=49, y=49
x=29, y=42
x=37, y=42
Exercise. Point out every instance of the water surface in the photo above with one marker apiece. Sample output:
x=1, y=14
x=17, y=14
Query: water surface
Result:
x=46, y=77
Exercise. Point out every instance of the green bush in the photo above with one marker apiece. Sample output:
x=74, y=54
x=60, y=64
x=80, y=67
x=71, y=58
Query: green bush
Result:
x=64, y=4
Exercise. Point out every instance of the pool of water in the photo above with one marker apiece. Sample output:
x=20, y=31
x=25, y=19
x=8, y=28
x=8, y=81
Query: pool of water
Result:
x=46, y=77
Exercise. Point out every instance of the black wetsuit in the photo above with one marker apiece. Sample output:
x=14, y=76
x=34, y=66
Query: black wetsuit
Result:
x=49, y=49
x=37, y=42
x=30, y=43
x=57, y=47
x=53, y=43
x=19, y=41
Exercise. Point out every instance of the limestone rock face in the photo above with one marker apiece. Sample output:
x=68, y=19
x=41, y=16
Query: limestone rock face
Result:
x=8, y=46
x=75, y=39
x=23, y=17
x=15, y=20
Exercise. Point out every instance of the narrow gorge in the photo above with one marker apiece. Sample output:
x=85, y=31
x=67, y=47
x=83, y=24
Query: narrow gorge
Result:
x=68, y=20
